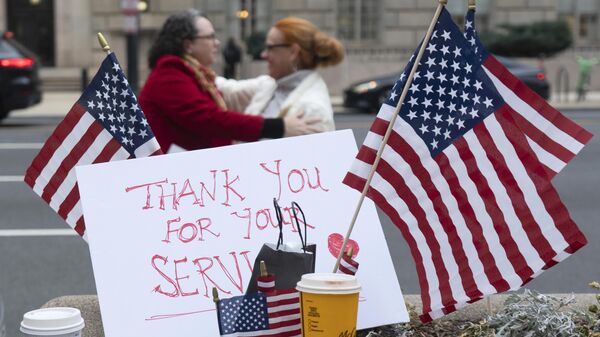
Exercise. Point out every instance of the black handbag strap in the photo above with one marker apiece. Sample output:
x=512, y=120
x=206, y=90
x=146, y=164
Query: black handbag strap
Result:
x=278, y=214
x=279, y=222
x=305, y=239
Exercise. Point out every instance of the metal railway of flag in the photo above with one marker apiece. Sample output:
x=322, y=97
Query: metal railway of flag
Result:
x=274, y=314
x=105, y=124
x=459, y=179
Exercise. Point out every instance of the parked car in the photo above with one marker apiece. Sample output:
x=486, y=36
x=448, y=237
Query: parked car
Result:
x=369, y=94
x=20, y=85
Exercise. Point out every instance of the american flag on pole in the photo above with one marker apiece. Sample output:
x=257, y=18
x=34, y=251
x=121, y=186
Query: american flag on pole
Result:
x=554, y=138
x=461, y=182
x=274, y=314
x=105, y=124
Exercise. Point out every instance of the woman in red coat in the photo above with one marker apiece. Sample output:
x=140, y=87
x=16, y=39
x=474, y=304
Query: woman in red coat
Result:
x=180, y=99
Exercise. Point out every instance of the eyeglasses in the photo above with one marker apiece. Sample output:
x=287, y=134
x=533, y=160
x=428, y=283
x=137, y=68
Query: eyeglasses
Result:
x=212, y=36
x=270, y=47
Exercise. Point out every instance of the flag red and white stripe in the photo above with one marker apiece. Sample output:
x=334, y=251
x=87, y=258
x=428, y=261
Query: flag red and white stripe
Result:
x=348, y=265
x=479, y=217
x=554, y=138
x=266, y=283
x=284, y=313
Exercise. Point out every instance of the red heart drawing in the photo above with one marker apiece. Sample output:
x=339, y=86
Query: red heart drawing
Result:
x=334, y=243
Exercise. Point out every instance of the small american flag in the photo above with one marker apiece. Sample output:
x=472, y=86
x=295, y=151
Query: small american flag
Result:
x=274, y=314
x=461, y=182
x=105, y=124
x=554, y=138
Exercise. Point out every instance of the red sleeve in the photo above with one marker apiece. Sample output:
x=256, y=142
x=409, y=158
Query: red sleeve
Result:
x=177, y=93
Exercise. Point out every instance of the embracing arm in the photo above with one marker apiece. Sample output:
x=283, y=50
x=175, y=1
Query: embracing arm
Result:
x=189, y=107
x=238, y=94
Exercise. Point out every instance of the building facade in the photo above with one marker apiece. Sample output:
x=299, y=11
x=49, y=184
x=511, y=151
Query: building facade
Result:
x=379, y=35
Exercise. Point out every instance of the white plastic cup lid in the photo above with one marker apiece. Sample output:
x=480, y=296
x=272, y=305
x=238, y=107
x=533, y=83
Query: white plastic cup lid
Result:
x=328, y=283
x=52, y=321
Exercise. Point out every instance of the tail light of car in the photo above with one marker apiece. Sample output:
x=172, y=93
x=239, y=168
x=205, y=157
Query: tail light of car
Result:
x=540, y=76
x=21, y=62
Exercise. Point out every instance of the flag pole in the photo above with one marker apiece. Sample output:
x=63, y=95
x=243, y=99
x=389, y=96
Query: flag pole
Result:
x=441, y=4
x=215, y=294
x=472, y=4
x=103, y=43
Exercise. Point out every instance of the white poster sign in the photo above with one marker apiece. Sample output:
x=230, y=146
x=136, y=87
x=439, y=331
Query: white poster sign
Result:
x=163, y=231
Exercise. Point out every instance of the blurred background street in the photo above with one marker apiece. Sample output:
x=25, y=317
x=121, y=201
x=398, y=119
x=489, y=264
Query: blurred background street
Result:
x=42, y=258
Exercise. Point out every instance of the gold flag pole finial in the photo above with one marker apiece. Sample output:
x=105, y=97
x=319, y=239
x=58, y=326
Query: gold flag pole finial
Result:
x=103, y=43
x=443, y=2
x=215, y=294
x=263, y=269
x=472, y=4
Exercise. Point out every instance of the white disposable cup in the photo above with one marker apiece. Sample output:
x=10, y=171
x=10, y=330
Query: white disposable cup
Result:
x=56, y=322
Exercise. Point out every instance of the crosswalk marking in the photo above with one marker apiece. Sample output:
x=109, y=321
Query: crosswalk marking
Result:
x=21, y=146
x=37, y=232
x=11, y=179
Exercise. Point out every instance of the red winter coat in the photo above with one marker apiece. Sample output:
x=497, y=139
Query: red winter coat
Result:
x=181, y=112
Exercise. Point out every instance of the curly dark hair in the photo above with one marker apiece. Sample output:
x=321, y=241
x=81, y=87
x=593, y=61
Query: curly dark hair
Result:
x=178, y=28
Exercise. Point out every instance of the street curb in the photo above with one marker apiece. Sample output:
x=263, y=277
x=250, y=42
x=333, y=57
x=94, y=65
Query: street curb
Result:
x=90, y=310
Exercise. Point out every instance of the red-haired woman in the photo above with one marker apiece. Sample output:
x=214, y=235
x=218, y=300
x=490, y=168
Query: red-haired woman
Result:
x=294, y=48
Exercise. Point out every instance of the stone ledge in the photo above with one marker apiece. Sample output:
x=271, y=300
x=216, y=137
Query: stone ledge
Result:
x=90, y=310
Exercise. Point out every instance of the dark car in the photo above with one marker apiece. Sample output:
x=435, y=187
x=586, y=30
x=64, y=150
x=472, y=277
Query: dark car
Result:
x=20, y=85
x=369, y=94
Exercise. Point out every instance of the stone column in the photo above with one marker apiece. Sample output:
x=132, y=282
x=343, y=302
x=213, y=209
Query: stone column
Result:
x=3, y=24
x=74, y=37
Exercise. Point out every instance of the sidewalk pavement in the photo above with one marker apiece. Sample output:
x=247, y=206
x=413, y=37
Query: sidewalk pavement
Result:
x=57, y=104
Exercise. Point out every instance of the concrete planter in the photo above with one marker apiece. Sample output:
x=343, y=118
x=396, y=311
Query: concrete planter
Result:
x=90, y=311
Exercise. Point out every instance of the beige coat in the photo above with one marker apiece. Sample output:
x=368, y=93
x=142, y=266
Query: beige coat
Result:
x=252, y=96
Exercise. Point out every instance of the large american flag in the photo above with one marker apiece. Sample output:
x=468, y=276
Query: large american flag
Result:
x=554, y=138
x=105, y=124
x=275, y=314
x=461, y=182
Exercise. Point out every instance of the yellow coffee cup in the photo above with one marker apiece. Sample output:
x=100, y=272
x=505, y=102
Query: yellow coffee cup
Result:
x=329, y=304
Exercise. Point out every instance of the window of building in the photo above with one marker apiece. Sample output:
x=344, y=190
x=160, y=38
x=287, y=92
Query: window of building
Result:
x=32, y=22
x=358, y=20
x=587, y=26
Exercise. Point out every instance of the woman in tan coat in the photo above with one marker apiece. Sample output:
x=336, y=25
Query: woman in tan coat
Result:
x=294, y=48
